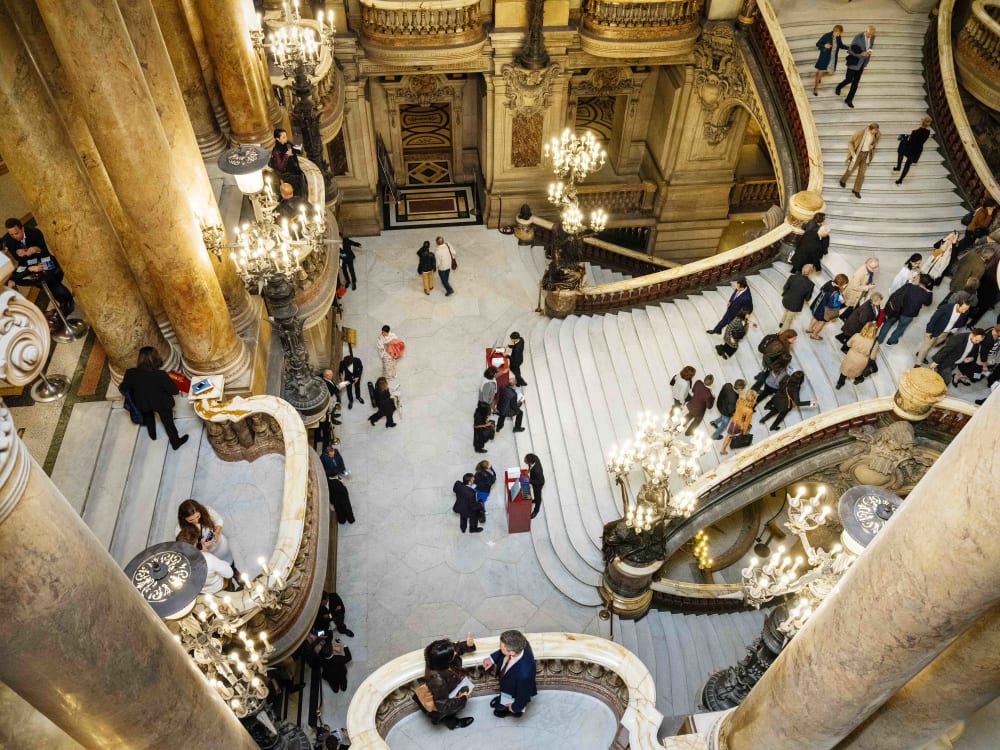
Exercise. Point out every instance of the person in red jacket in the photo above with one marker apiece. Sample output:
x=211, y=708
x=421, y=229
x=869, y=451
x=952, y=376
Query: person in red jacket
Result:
x=700, y=402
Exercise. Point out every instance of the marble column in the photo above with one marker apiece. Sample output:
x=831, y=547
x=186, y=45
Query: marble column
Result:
x=197, y=32
x=23, y=728
x=79, y=642
x=961, y=680
x=50, y=174
x=35, y=36
x=111, y=88
x=187, y=69
x=151, y=49
x=926, y=578
x=227, y=37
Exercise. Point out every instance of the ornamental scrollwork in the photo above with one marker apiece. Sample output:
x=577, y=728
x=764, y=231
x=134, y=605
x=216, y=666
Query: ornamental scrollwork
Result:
x=529, y=90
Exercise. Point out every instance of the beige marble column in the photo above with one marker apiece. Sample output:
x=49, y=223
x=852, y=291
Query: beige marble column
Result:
x=126, y=127
x=197, y=32
x=47, y=169
x=151, y=49
x=79, y=643
x=187, y=68
x=926, y=578
x=23, y=728
x=227, y=37
x=32, y=30
x=961, y=680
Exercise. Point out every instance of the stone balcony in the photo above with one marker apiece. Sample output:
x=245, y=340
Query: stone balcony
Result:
x=663, y=28
x=977, y=53
x=443, y=32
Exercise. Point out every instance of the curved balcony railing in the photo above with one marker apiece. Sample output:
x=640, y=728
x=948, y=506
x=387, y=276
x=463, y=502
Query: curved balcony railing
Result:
x=564, y=661
x=719, y=490
x=243, y=429
x=390, y=30
x=665, y=284
x=974, y=176
x=977, y=53
x=610, y=29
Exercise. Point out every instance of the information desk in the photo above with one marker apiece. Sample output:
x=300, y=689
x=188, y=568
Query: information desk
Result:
x=518, y=500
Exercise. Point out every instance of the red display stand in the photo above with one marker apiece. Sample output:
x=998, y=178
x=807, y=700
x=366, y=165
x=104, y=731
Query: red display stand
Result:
x=518, y=501
x=498, y=358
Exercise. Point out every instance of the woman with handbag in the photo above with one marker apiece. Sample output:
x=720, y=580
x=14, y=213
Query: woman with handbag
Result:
x=911, y=147
x=862, y=349
x=442, y=675
x=390, y=349
x=734, y=333
x=941, y=257
x=827, y=305
x=739, y=430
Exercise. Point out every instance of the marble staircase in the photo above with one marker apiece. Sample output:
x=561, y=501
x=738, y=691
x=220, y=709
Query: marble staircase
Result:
x=889, y=218
x=682, y=650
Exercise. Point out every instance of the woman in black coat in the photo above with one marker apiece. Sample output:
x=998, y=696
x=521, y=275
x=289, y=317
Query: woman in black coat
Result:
x=536, y=477
x=784, y=400
x=866, y=312
x=911, y=147
x=813, y=245
x=152, y=391
x=384, y=403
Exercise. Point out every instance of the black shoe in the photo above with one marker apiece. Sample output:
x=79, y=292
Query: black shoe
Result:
x=843, y=184
x=360, y=400
x=980, y=401
x=534, y=514
x=858, y=381
x=348, y=632
x=495, y=703
x=499, y=428
x=856, y=194
x=522, y=384
x=371, y=421
x=899, y=182
x=895, y=169
x=519, y=429
x=183, y=439
x=849, y=104
x=775, y=428
x=709, y=330
x=354, y=288
x=837, y=91
x=475, y=531
x=66, y=307
x=350, y=404
x=463, y=722
x=390, y=424
x=448, y=294
x=481, y=450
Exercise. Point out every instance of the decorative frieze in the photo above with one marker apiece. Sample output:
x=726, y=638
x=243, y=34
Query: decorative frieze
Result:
x=529, y=90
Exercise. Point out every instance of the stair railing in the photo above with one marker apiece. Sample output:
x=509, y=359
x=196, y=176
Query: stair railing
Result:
x=958, y=141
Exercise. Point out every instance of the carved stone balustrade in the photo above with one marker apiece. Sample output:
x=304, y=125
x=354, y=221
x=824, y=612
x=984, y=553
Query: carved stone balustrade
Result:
x=977, y=53
x=443, y=31
x=625, y=200
x=754, y=195
x=640, y=29
x=564, y=661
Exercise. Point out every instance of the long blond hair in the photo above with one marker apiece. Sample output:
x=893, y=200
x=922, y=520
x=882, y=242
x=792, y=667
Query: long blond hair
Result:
x=869, y=330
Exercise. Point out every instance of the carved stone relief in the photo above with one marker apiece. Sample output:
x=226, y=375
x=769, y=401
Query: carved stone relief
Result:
x=720, y=80
x=529, y=90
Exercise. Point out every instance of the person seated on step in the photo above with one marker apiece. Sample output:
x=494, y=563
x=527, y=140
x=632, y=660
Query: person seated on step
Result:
x=443, y=677
x=220, y=573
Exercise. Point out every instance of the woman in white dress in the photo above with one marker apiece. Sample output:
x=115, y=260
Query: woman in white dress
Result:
x=388, y=361
x=206, y=522
x=908, y=273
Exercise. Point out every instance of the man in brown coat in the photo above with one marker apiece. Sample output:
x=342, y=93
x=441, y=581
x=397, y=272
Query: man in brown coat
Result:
x=860, y=153
x=700, y=402
x=971, y=266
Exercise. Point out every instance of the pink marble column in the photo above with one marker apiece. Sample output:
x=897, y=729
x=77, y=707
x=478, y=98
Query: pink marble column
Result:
x=928, y=576
x=32, y=30
x=151, y=49
x=79, y=643
x=961, y=680
x=227, y=37
x=109, y=85
x=50, y=174
x=187, y=68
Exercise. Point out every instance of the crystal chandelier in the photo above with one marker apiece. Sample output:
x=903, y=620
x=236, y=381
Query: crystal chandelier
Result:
x=662, y=452
x=863, y=511
x=573, y=158
x=295, y=45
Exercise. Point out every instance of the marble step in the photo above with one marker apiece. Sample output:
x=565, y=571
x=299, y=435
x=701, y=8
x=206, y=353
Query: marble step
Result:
x=865, y=211
x=73, y=472
x=177, y=481
x=111, y=470
x=606, y=402
x=663, y=660
x=131, y=529
x=692, y=665
x=625, y=633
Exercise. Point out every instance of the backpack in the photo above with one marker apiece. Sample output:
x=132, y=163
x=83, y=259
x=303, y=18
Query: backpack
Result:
x=894, y=305
x=765, y=341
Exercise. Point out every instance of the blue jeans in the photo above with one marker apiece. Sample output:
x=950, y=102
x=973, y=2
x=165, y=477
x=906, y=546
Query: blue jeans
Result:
x=900, y=324
x=720, y=423
x=444, y=274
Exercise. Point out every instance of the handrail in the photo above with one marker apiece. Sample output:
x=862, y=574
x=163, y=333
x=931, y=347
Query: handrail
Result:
x=974, y=175
x=740, y=260
x=397, y=678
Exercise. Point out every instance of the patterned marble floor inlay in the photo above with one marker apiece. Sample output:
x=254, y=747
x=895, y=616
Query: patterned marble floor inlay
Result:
x=433, y=207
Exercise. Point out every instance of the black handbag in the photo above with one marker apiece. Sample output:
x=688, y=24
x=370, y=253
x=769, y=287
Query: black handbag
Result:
x=742, y=441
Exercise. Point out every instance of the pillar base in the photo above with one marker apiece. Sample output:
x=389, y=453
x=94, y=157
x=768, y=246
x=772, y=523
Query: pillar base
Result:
x=919, y=389
x=626, y=588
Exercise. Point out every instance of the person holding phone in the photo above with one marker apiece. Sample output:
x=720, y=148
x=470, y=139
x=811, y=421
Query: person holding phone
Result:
x=443, y=673
x=206, y=523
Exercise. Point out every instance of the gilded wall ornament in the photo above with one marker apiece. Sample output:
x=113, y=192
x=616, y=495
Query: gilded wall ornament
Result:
x=424, y=88
x=606, y=82
x=719, y=70
x=529, y=90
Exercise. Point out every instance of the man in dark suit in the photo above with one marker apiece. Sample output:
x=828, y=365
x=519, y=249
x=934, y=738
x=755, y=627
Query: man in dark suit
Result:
x=466, y=504
x=857, y=61
x=33, y=262
x=347, y=263
x=740, y=299
x=958, y=357
x=946, y=320
x=515, y=357
x=507, y=407
x=350, y=370
x=515, y=668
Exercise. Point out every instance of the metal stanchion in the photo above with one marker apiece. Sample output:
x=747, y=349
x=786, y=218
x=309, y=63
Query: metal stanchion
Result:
x=50, y=388
x=72, y=329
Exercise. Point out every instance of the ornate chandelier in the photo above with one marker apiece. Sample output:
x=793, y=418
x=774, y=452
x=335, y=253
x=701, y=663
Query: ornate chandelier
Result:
x=662, y=452
x=863, y=511
x=573, y=158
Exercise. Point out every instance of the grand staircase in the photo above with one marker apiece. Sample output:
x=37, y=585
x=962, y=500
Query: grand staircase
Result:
x=889, y=219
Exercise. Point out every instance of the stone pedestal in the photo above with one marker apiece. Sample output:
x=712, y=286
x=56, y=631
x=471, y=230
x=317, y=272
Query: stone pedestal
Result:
x=903, y=601
x=919, y=389
x=805, y=205
x=118, y=106
x=49, y=173
x=559, y=303
x=237, y=70
x=79, y=642
x=625, y=587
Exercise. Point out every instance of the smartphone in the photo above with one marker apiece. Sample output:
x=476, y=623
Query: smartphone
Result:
x=201, y=386
x=321, y=633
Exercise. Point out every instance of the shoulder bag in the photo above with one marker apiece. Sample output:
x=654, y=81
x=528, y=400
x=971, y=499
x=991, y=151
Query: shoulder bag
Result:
x=454, y=262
